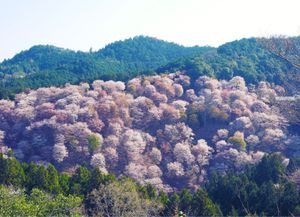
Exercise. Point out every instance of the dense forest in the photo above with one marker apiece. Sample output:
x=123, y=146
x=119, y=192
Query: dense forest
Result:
x=168, y=130
x=35, y=190
x=44, y=66
x=144, y=127
x=247, y=58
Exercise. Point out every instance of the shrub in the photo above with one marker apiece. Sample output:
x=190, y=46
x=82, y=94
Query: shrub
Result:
x=238, y=141
x=95, y=141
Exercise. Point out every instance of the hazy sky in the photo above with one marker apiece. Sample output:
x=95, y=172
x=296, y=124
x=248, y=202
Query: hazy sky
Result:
x=82, y=24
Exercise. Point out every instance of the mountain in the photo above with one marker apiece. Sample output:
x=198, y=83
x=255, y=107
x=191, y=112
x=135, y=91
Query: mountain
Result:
x=140, y=53
x=245, y=57
x=43, y=66
x=39, y=58
x=220, y=144
x=146, y=53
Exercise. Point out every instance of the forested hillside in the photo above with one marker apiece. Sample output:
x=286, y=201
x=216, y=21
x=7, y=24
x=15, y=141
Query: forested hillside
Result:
x=172, y=128
x=201, y=130
x=140, y=108
x=267, y=188
x=169, y=131
x=145, y=53
x=43, y=66
x=248, y=58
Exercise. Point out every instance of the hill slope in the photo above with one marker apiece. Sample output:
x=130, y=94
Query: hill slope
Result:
x=146, y=53
x=246, y=58
x=166, y=130
x=43, y=66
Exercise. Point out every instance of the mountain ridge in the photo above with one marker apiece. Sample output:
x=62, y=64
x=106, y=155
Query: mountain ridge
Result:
x=45, y=66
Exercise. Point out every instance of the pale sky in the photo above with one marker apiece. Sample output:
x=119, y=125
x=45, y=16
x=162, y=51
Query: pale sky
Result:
x=82, y=24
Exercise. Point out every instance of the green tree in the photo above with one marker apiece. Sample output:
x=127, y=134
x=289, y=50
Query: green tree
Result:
x=202, y=205
x=94, y=142
x=120, y=199
x=14, y=202
x=53, y=180
x=163, y=198
x=12, y=172
x=37, y=177
x=269, y=169
x=172, y=205
x=185, y=201
x=80, y=181
x=97, y=178
x=64, y=182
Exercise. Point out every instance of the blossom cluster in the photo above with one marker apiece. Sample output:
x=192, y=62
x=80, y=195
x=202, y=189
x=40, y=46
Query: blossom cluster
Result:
x=165, y=130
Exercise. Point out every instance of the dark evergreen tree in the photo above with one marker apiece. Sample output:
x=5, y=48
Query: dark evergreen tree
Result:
x=53, y=180
x=12, y=172
x=202, y=205
x=80, y=181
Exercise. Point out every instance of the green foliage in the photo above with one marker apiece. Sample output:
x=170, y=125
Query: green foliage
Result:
x=80, y=181
x=269, y=169
x=238, y=141
x=11, y=172
x=163, y=197
x=120, y=199
x=202, y=205
x=148, y=191
x=30, y=176
x=55, y=206
x=53, y=180
x=97, y=179
x=246, y=58
x=44, y=66
x=172, y=205
x=146, y=53
x=16, y=203
x=37, y=177
x=94, y=142
x=64, y=182
x=196, y=68
x=261, y=190
x=185, y=201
